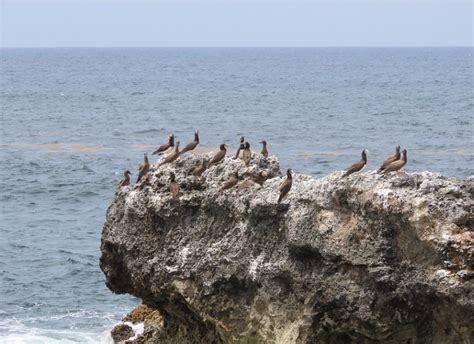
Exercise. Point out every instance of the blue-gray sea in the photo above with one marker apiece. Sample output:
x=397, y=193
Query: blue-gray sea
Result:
x=74, y=119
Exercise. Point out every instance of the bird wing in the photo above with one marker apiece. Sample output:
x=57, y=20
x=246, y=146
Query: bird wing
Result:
x=162, y=148
x=394, y=166
x=218, y=156
x=388, y=161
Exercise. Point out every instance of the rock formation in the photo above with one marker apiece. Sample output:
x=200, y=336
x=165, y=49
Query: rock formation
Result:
x=362, y=259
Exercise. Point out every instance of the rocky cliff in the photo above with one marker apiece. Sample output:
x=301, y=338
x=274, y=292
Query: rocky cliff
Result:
x=362, y=259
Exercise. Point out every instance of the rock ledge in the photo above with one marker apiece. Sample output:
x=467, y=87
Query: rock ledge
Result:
x=363, y=259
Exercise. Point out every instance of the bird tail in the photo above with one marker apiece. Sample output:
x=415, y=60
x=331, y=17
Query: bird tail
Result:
x=279, y=199
x=380, y=170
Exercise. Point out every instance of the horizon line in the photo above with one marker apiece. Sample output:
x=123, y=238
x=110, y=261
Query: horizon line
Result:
x=237, y=47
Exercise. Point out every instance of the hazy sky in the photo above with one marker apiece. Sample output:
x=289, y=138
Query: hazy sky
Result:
x=132, y=23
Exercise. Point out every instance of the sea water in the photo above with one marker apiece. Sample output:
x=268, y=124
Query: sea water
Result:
x=74, y=119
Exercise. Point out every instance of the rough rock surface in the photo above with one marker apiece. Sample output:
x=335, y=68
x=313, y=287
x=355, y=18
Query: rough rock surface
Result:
x=121, y=332
x=362, y=259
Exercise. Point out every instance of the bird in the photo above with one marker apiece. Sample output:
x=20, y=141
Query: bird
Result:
x=231, y=182
x=126, y=179
x=199, y=170
x=390, y=159
x=358, y=165
x=172, y=156
x=219, y=155
x=247, y=184
x=264, y=148
x=285, y=187
x=396, y=165
x=190, y=146
x=241, y=148
x=174, y=186
x=247, y=154
x=164, y=147
x=260, y=177
x=143, y=169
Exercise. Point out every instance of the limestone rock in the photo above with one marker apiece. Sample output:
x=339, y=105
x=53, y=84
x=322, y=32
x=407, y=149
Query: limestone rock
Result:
x=364, y=259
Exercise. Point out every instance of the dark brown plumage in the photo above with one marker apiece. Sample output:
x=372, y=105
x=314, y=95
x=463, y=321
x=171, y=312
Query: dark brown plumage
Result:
x=390, y=159
x=231, y=182
x=126, y=179
x=219, y=155
x=174, y=186
x=264, y=148
x=241, y=148
x=164, y=147
x=172, y=156
x=143, y=169
x=199, y=170
x=260, y=177
x=190, y=146
x=358, y=165
x=397, y=165
x=247, y=154
x=285, y=186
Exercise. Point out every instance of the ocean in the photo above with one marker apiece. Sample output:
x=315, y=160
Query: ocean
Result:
x=74, y=119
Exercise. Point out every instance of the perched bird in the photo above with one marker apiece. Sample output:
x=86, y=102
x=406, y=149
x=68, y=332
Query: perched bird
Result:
x=174, y=186
x=247, y=154
x=390, y=159
x=358, y=165
x=286, y=185
x=164, y=147
x=190, y=146
x=219, y=155
x=264, y=148
x=241, y=148
x=199, y=170
x=126, y=179
x=260, y=177
x=231, y=182
x=143, y=169
x=396, y=165
x=246, y=184
x=172, y=156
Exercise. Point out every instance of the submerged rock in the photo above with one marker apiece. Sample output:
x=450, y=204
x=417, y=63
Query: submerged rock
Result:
x=364, y=259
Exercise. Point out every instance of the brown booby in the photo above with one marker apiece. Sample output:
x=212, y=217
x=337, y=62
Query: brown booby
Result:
x=358, y=165
x=247, y=184
x=260, y=177
x=390, y=159
x=126, y=179
x=190, y=146
x=219, y=155
x=264, y=148
x=247, y=154
x=199, y=170
x=172, y=156
x=174, y=186
x=231, y=182
x=143, y=169
x=164, y=147
x=241, y=148
x=396, y=165
x=285, y=187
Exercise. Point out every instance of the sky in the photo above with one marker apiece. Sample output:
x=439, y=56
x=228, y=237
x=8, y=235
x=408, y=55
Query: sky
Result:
x=235, y=23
